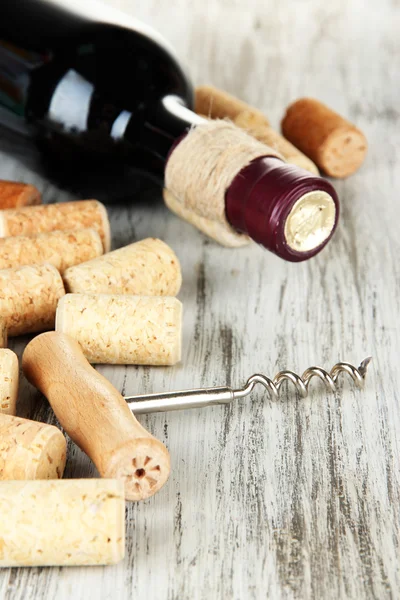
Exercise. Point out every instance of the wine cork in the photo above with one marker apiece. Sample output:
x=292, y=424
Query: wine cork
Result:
x=62, y=249
x=222, y=105
x=218, y=104
x=146, y=268
x=13, y=194
x=272, y=138
x=30, y=450
x=3, y=334
x=83, y=214
x=197, y=189
x=62, y=523
x=332, y=142
x=28, y=298
x=118, y=329
x=9, y=376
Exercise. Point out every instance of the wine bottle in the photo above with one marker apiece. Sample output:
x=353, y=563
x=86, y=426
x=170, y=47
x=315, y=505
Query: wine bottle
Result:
x=89, y=82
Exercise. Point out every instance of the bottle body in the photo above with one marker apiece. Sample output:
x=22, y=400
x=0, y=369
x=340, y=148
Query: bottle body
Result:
x=90, y=87
x=98, y=88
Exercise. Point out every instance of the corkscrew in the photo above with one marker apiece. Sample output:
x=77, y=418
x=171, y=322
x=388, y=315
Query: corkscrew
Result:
x=198, y=398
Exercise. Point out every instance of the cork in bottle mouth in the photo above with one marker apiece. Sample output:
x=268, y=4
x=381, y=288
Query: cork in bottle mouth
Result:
x=310, y=221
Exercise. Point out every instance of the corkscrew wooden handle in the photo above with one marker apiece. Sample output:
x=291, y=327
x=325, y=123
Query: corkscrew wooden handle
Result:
x=95, y=415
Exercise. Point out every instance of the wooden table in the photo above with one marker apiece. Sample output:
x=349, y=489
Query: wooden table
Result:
x=280, y=499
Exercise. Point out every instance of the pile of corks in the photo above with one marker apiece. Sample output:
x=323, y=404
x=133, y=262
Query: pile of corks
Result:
x=57, y=272
x=49, y=250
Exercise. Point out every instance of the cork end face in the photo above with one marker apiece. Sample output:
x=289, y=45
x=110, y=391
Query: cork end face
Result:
x=343, y=152
x=310, y=221
x=105, y=226
x=30, y=196
x=144, y=466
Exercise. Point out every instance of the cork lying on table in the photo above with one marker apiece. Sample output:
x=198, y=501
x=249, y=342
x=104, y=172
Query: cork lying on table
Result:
x=30, y=450
x=217, y=104
x=83, y=214
x=62, y=249
x=62, y=523
x=149, y=268
x=118, y=329
x=332, y=142
x=13, y=194
x=9, y=376
x=28, y=298
x=220, y=104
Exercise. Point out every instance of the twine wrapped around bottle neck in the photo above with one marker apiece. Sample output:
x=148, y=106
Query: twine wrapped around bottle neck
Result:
x=200, y=170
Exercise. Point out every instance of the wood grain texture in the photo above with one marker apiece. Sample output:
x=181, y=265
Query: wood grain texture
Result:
x=288, y=499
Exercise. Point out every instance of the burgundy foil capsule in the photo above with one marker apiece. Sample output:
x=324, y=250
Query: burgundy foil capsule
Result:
x=282, y=207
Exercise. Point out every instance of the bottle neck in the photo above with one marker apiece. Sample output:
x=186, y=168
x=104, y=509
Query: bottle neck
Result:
x=89, y=120
x=162, y=127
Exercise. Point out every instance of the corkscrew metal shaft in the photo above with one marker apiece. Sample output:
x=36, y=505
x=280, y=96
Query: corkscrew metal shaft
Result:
x=198, y=398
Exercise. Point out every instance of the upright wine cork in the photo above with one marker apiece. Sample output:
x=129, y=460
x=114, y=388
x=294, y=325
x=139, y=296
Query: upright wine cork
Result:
x=62, y=249
x=62, y=523
x=3, y=333
x=30, y=450
x=272, y=138
x=217, y=104
x=28, y=298
x=146, y=268
x=113, y=329
x=332, y=142
x=9, y=376
x=84, y=214
x=13, y=194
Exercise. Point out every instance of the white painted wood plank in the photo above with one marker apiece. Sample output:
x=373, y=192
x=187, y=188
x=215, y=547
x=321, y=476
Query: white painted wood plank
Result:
x=288, y=499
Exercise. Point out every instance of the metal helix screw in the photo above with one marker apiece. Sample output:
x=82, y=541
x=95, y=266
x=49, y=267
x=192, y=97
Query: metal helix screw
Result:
x=301, y=383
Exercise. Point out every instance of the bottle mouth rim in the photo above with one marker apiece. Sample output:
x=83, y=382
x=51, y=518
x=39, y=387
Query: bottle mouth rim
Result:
x=310, y=221
x=278, y=205
x=295, y=237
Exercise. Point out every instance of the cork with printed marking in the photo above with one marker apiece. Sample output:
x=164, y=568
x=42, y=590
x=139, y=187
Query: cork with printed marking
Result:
x=30, y=450
x=123, y=329
x=62, y=523
x=83, y=214
x=148, y=268
x=62, y=249
x=14, y=193
x=9, y=376
x=28, y=298
x=337, y=146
